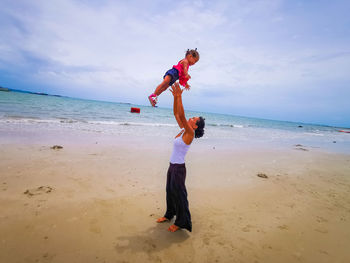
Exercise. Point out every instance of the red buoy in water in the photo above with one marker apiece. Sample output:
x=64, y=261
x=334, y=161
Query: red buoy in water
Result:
x=135, y=110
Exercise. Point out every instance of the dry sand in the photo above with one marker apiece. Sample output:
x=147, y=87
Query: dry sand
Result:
x=99, y=203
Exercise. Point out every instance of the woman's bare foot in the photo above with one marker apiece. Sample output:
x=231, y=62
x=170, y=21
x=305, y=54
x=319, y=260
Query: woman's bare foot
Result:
x=173, y=228
x=162, y=219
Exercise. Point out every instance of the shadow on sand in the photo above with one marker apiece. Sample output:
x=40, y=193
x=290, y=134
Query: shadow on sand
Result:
x=152, y=240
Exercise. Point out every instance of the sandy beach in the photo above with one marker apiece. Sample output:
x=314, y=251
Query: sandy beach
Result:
x=97, y=199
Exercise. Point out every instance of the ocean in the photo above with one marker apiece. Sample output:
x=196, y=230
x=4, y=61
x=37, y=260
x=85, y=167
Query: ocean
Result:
x=25, y=111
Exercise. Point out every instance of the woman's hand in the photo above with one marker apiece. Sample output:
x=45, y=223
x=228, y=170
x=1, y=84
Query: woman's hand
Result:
x=176, y=90
x=178, y=108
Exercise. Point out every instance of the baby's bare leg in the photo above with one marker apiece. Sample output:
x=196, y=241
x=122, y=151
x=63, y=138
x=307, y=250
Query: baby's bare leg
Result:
x=163, y=86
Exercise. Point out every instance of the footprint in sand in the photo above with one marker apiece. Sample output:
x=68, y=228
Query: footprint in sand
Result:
x=321, y=219
x=206, y=241
x=110, y=190
x=94, y=226
x=38, y=191
x=47, y=257
x=321, y=230
x=266, y=246
x=122, y=244
x=247, y=228
x=283, y=227
x=291, y=205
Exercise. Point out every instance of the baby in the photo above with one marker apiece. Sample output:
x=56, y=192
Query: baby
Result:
x=178, y=72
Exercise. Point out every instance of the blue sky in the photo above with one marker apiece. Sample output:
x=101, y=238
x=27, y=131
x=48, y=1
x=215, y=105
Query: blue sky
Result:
x=274, y=59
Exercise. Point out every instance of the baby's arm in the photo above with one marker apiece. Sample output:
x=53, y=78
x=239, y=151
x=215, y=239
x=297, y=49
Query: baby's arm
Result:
x=185, y=66
x=183, y=80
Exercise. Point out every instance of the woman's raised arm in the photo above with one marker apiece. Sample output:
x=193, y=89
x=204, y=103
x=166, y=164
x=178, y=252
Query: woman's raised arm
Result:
x=179, y=112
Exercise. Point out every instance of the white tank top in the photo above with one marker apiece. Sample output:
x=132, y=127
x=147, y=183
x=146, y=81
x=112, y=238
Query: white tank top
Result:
x=179, y=150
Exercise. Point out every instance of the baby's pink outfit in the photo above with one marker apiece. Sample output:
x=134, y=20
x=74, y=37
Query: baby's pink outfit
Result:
x=182, y=79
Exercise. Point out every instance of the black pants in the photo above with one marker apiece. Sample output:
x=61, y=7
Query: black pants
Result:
x=176, y=196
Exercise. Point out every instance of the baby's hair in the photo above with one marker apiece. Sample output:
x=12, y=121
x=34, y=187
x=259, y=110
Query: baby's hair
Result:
x=192, y=52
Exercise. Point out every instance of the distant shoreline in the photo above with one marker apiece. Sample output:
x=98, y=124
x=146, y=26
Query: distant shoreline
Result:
x=25, y=91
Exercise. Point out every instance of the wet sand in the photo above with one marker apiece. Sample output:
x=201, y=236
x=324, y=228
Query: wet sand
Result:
x=98, y=202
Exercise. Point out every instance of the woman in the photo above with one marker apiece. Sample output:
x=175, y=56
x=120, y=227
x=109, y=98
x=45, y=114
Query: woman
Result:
x=176, y=194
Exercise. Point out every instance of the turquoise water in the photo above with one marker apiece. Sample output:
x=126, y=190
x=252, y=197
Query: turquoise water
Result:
x=29, y=111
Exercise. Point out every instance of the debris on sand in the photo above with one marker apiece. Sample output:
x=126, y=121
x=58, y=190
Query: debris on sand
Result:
x=38, y=191
x=300, y=147
x=261, y=175
x=57, y=147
